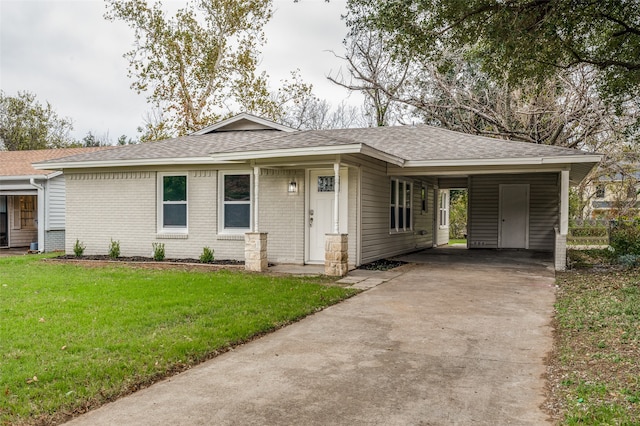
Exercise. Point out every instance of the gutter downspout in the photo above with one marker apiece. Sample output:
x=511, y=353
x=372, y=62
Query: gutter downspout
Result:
x=41, y=214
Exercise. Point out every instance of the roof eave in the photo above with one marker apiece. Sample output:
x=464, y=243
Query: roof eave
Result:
x=565, y=159
x=28, y=177
x=124, y=163
x=356, y=148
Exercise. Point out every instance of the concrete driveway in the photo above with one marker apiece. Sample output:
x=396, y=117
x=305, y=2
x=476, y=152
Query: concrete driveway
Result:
x=450, y=341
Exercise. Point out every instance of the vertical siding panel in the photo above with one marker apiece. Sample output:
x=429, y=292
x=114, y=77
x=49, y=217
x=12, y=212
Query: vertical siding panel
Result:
x=484, y=208
x=55, y=203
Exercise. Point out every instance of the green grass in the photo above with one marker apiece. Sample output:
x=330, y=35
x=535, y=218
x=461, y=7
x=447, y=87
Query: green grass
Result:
x=457, y=241
x=72, y=338
x=596, y=364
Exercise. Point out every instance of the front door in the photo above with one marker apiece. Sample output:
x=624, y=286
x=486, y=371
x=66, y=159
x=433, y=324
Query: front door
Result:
x=320, y=218
x=514, y=216
x=4, y=222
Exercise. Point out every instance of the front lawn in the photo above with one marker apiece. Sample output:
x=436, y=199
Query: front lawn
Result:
x=594, y=373
x=72, y=338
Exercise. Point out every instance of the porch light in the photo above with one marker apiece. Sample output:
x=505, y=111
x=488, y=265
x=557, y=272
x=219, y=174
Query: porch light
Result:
x=293, y=187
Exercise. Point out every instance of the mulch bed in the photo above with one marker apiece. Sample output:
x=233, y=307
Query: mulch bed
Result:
x=149, y=263
x=382, y=265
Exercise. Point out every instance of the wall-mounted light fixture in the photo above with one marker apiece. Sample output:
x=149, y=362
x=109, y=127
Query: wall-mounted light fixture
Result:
x=293, y=187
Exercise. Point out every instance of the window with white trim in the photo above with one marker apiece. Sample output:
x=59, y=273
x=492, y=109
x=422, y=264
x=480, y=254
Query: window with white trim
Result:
x=444, y=209
x=173, y=210
x=235, y=204
x=400, y=214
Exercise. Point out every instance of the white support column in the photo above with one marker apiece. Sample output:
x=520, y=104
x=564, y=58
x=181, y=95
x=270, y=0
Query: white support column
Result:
x=336, y=202
x=562, y=230
x=564, y=202
x=256, y=185
x=40, y=208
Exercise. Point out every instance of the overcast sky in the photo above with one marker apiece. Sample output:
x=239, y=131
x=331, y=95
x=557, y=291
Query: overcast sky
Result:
x=66, y=53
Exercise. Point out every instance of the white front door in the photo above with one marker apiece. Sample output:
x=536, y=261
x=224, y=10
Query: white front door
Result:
x=514, y=216
x=320, y=218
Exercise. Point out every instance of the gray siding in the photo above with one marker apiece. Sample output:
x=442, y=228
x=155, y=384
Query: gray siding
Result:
x=484, y=194
x=55, y=210
x=376, y=239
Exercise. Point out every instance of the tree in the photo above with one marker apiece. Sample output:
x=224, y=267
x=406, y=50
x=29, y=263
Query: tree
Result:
x=200, y=64
x=454, y=92
x=92, y=140
x=517, y=39
x=124, y=140
x=458, y=214
x=26, y=124
x=374, y=73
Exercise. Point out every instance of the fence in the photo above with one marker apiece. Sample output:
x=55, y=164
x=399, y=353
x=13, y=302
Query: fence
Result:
x=592, y=232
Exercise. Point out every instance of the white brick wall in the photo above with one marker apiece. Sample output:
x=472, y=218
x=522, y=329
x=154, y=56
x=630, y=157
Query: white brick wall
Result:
x=111, y=205
x=122, y=206
x=281, y=215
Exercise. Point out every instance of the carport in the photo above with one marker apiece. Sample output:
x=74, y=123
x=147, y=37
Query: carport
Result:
x=522, y=207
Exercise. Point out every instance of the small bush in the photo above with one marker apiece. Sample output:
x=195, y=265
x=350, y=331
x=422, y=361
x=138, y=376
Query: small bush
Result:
x=629, y=260
x=207, y=255
x=625, y=238
x=114, y=249
x=158, y=251
x=78, y=248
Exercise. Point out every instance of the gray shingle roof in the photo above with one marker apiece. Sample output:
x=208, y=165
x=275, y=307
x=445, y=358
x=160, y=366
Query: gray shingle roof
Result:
x=410, y=143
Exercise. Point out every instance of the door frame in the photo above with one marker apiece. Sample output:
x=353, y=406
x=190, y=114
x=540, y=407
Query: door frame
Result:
x=527, y=212
x=344, y=186
x=6, y=221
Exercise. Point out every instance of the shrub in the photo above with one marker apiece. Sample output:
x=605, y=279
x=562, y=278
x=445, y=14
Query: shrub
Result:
x=625, y=238
x=78, y=248
x=207, y=255
x=114, y=249
x=158, y=251
x=629, y=260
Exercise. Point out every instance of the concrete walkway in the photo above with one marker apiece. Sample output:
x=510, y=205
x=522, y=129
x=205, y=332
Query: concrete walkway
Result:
x=455, y=342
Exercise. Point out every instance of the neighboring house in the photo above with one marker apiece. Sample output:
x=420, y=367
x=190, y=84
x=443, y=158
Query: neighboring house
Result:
x=615, y=195
x=32, y=202
x=253, y=190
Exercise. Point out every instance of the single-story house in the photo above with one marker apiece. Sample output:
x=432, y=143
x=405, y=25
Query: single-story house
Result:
x=257, y=191
x=32, y=202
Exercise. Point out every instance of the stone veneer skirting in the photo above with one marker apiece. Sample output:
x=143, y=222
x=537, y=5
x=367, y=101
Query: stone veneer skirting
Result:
x=336, y=255
x=255, y=251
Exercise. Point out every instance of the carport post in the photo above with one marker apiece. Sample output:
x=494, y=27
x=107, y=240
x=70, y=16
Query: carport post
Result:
x=336, y=201
x=563, y=229
x=564, y=202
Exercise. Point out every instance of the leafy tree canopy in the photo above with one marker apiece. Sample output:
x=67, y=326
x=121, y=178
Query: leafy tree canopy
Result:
x=517, y=39
x=26, y=124
x=199, y=65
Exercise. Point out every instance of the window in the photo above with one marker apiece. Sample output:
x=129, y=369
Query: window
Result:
x=326, y=183
x=423, y=198
x=236, y=202
x=24, y=212
x=173, y=212
x=400, y=218
x=444, y=209
x=600, y=191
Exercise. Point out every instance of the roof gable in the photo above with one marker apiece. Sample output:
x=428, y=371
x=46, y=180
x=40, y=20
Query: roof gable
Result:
x=243, y=122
